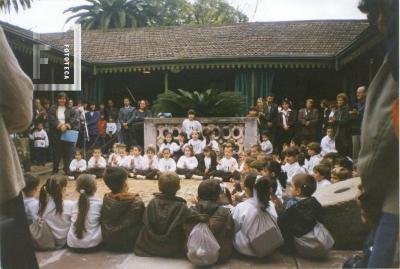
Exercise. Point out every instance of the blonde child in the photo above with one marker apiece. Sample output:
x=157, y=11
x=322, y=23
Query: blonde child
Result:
x=227, y=167
x=187, y=164
x=114, y=157
x=150, y=166
x=85, y=232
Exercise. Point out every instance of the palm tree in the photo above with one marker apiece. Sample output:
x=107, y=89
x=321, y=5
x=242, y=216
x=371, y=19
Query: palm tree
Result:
x=211, y=103
x=105, y=14
x=6, y=4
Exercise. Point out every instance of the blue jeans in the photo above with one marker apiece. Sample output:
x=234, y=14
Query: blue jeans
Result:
x=384, y=248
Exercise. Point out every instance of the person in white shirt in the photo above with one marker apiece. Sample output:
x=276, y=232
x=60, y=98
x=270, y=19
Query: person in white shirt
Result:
x=97, y=163
x=30, y=202
x=77, y=165
x=166, y=163
x=313, y=150
x=197, y=143
x=137, y=160
x=257, y=191
x=227, y=167
x=40, y=144
x=111, y=130
x=207, y=164
x=114, y=158
x=187, y=164
x=190, y=124
x=85, y=232
x=266, y=145
x=273, y=170
x=328, y=142
x=54, y=209
x=321, y=173
x=171, y=144
x=292, y=167
x=150, y=165
x=209, y=140
x=125, y=159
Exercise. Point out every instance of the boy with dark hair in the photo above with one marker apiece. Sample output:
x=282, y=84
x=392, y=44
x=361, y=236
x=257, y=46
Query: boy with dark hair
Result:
x=322, y=173
x=97, y=163
x=122, y=212
x=162, y=234
x=190, y=124
x=30, y=202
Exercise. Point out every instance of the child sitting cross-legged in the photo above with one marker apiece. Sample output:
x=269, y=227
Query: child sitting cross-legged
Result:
x=150, y=166
x=162, y=234
x=187, y=164
x=137, y=161
x=300, y=222
x=218, y=220
x=114, y=157
x=321, y=175
x=166, y=163
x=77, y=166
x=97, y=163
x=30, y=202
x=313, y=150
x=85, y=232
x=207, y=164
x=340, y=174
x=122, y=212
x=227, y=167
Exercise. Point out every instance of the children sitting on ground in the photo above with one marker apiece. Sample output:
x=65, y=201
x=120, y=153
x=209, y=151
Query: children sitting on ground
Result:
x=40, y=144
x=121, y=214
x=218, y=220
x=209, y=140
x=291, y=167
x=225, y=197
x=85, y=232
x=162, y=234
x=55, y=210
x=31, y=204
x=150, y=165
x=339, y=174
x=328, y=142
x=182, y=140
x=207, y=163
x=125, y=160
x=114, y=158
x=190, y=124
x=273, y=170
x=77, y=166
x=197, y=143
x=187, y=164
x=299, y=223
x=255, y=219
x=137, y=161
x=313, y=151
x=321, y=175
x=266, y=145
x=97, y=163
x=227, y=167
x=166, y=163
x=171, y=144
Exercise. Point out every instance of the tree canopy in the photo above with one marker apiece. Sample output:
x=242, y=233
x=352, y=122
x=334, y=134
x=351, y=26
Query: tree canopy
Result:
x=16, y=4
x=105, y=14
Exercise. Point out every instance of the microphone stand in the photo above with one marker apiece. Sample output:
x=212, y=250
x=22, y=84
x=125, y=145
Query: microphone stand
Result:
x=85, y=133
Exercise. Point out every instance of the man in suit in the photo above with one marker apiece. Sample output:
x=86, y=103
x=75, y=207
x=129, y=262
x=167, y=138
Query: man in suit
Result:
x=270, y=114
x=308, y=122
x=126, y=118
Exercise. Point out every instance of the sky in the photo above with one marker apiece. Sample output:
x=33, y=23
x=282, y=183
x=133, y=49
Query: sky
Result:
x=47, y=15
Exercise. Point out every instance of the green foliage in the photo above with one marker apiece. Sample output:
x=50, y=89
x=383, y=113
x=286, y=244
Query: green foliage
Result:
x=7, y=4
x=105, y=14
x=171, y=12
x=211, y=103
x=216, y=12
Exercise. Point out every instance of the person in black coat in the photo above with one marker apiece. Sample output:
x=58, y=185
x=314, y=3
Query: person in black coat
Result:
x=270, y=115
x=61, y=118
x=126, y=117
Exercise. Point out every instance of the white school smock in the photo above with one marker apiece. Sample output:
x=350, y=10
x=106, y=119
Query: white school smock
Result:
x=125, y=162
x=240, y=213
x=40, y=139
x=327, y=145
x=101, y=163
x=228, y=165
x=139, y=162
x=31, y=205
x=188, y=126
x=312, y=162
x=59, y=224
x=111, y=128
x=198, y=145
x=150, y=163
x=323, y=183
x=207, y=163
x=75, y=164
x=213, y=144
x=165, y=165
x=110, y=158
x=291, y=170
x=92, y=237
x=185, y=162
x=266, y=147
x=173, y=147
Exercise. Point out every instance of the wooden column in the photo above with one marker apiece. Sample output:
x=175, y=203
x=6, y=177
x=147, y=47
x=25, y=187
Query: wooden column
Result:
x=253, y=86
x=166, y=81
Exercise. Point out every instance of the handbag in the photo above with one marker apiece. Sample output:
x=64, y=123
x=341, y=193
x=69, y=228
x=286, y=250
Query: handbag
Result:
x=70, y=136
x=42, y=237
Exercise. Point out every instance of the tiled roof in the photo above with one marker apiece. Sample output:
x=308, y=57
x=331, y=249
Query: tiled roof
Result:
x=301, y=39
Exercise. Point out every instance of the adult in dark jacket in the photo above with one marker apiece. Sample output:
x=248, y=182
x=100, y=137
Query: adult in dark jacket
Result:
x=356, y=116
x=217, y=217
x=341, y=122
x=111, y=111
x=323, y=118
x=92, y=122
x=286, y=124
x=270, y=115
x=61, y=119
x=308, y=122
x=143, y=111
x=126, y=118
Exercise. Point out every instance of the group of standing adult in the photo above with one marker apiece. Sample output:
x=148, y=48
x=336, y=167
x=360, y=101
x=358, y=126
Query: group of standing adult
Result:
x=283, y=123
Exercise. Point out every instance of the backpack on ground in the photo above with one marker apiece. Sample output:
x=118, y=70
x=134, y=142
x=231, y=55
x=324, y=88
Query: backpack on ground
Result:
x=203, y=248
x=263, y=234
x=315, y=244
x=42, y=237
